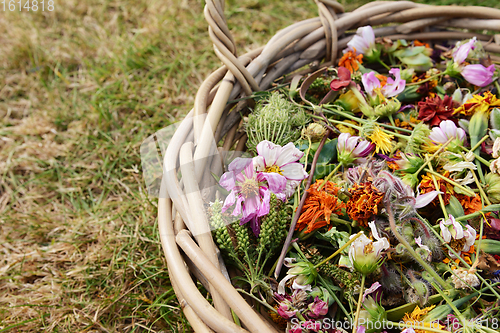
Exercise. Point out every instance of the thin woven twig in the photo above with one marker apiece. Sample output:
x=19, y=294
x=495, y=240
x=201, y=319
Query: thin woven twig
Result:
x=306, y=42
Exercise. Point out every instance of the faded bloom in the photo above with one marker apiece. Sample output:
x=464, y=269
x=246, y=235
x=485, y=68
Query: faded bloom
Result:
x=454, y=234
x=279, y=160
x=351, y=150
x=423, y=250
x=495, y=166
x=448, y=130
x=314, y=131
x=363, y=41
x=303, y=274
x=365, y=254
x=250, y=191
x=344, y=79
x=464, y=279
x=317, y=308
x=434, y=110
x=460, y=52
x=496, y=148
x=394, y=86
x=478, y=75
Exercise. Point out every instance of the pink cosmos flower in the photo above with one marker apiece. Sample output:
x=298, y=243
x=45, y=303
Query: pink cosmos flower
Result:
x=370, y=83
x=279, y=160
x=363, y=41
x=250, y=191
x=394, y=86
x=351, y=150
x=447, y=130
x=451, y=229
x=478, y=74
x=461, y=52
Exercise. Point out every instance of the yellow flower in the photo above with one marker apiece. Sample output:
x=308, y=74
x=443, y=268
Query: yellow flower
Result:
x=415, y=319
x=478, y=104
x=381, y=140
x=347, y=129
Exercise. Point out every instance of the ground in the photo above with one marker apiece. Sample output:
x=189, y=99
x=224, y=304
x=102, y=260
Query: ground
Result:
x=81, y=87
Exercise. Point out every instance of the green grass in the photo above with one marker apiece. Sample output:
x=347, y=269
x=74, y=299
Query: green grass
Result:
x=81, y=88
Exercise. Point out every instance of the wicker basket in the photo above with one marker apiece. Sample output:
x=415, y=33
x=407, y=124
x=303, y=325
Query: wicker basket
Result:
x=191, y=153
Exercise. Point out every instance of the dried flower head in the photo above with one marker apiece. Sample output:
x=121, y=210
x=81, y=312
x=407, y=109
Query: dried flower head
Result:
x=434, y=110
x=365, y=202
x=351, y=60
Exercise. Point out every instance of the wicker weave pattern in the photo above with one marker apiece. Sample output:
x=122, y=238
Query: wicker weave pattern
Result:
x=302, y=43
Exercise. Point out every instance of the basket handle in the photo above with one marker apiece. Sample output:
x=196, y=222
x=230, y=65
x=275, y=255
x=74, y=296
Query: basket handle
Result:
x=225, y=47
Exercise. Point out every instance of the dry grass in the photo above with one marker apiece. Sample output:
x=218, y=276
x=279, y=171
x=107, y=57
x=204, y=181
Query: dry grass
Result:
x=80, y=89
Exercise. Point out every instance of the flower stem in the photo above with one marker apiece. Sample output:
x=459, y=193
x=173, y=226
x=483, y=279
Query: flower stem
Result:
x=482, y=160
x=433, y=156
x=345, y=124
x=384, y=64
x=342, y=248
x=332, y=293
x=360, y=298
x=452, y=182
x=296, y=216
x=257, y=299
x=412, y=252
x=441, y=201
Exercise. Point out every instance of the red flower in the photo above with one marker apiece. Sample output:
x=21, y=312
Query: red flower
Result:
x=435, y=110
x=343, y=80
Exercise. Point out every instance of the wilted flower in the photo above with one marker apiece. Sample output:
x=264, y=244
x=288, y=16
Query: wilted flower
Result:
x=285, y=307
x=364, y=202
x=363, y=41
x=351, y=61
x=478, y=75
x=448, y=130
x=351, y=150
x=317, y=308
x=423, y=250
x=453, y=233
x=479, y=104
x=463, y=278
x=275, y=159
x=394, y=86
x=344, y=79
x=303, y=273
x=434, y=110
x=365, y=254
x=460, y=52
x=319, y=206
x=250, y=191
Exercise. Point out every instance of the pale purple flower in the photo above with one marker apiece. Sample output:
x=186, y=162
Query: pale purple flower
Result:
x=478, y=75
x=275, y=159
x=408, y=330
x=370, y=83
x=423, y=200
x=451, y=229
x=361, y=329
x=363, y=41
x=250, y=191
x=394, y=86
x=461, y=52
x=351, y=150
x=317, y=308
x=446, y=130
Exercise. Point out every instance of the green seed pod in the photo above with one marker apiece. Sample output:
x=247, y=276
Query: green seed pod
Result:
x=220, y=230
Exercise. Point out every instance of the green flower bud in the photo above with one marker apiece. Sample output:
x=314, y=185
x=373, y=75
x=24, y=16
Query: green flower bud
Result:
x=388, y=108
x=495, y=119
x=492, y=187
x=455, y=207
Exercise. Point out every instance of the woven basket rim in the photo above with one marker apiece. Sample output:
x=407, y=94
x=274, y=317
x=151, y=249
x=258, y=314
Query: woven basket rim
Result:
x=305, y=42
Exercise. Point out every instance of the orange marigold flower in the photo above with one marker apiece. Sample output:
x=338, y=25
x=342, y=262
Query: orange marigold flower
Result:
x=427, y=185
x=364, y=202
x=470, y=204
x=416, y=42
x=351, y=60
x=319, y=206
